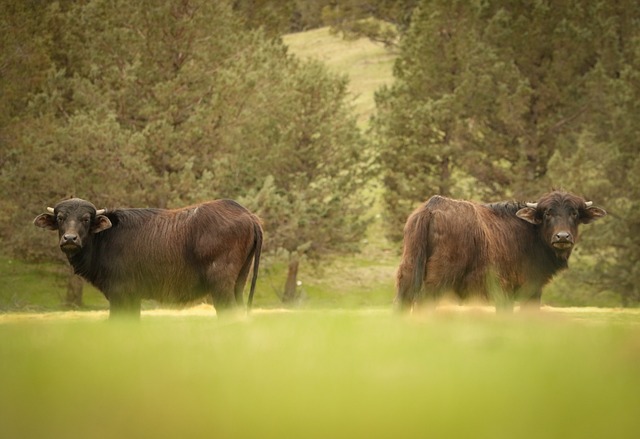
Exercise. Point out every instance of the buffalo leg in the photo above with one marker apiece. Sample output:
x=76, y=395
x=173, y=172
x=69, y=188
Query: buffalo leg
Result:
x=221, y=278
x=532, y=301
x=504, y=306
x=123, y=306
x=503, y=301
x=223, y=295
x=223, y=302
x=529, y=297
x=404, y=302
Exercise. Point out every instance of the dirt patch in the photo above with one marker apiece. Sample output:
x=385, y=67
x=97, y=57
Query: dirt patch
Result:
x=205, y=310
x=198, y=310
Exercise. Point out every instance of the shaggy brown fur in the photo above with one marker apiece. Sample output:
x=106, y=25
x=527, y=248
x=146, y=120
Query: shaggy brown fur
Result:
x=503, y=251
x=167, y=255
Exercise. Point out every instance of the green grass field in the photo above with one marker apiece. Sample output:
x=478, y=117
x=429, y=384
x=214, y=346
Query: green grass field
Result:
x=324, y=374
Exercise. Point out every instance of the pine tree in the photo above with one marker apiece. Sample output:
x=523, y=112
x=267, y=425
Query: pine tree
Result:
x=603, y=157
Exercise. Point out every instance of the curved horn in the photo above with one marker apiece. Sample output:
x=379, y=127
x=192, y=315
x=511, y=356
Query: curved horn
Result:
x=532, y=205
x=50, y=209
x=588, y=203
x=101, y=211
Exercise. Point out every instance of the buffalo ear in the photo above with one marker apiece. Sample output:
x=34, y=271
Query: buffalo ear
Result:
x=100, y=223
x=46, y=221
x=528, y=214
x=591, y=214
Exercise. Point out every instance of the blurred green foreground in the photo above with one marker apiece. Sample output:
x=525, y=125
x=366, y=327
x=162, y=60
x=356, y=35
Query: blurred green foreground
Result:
x=322, y=374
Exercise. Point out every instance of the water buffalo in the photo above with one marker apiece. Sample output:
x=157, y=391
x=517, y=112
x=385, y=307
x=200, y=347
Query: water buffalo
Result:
x=502, y=251
x=168, y=255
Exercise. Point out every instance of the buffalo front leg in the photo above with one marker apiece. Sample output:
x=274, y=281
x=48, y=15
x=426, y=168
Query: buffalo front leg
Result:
x=500, y=294
x=531, y=301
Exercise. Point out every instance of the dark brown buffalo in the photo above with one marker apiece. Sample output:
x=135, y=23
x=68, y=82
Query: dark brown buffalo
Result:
x=503, y=251
x=167, y=255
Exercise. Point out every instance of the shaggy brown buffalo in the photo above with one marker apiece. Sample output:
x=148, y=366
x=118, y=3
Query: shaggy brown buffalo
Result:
x=167, y=255
x=502, y=251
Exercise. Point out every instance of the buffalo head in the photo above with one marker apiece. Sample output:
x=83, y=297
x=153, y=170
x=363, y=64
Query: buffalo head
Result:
x=558, y=214
x=75, y=220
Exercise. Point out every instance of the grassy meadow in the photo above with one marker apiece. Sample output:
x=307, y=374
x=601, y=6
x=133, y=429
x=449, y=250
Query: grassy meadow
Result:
x=368, y=373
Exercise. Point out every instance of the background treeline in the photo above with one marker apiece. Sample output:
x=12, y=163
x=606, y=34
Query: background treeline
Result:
x=165, y=103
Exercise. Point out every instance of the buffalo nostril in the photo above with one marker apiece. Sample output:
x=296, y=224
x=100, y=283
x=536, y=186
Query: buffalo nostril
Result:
x=70, y=237
x=563, y=236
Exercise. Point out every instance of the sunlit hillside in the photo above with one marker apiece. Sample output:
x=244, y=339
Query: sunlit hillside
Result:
x=368, y=65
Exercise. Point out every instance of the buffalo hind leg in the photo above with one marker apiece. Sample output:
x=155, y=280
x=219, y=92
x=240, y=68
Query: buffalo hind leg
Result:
x=122, y=306
x=406, y=295
x=223, y=296
x=220, y=282
x=403, y=302
x=223, y=302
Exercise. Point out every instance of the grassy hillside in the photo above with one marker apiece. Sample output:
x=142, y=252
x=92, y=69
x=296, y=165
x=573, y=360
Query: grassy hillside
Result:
x=368, y=65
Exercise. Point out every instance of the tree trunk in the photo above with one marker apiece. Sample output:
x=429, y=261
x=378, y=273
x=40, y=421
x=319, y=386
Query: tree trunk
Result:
x=290, y=287
x=74, y=291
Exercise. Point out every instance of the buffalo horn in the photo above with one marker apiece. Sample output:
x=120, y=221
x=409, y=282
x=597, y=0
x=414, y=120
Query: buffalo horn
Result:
x=101, y=211
x=532, y=205
x=50, y=209
x=588, y=203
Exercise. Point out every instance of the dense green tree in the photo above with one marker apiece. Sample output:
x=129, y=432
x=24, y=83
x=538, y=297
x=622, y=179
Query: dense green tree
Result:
x=433, y=125
x=24, y=60
x=314, y=195
x=383, y=21
x=24, y=63
x=278, y=17
x=602, y=159
x=484, y=92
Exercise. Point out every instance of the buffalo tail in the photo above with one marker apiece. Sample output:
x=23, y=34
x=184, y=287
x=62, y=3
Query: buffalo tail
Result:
x=411, y=273
x=256, y=263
